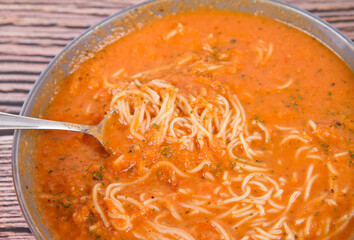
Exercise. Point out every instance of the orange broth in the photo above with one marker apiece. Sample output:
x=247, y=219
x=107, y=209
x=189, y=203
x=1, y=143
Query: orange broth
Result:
x=284, y=79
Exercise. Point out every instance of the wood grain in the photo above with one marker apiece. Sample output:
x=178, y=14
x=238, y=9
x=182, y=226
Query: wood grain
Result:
x=32, y=32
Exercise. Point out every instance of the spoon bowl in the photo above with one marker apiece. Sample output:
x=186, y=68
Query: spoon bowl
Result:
x=10, y=121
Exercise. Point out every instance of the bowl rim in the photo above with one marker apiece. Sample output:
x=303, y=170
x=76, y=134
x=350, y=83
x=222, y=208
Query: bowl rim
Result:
x=30, y=99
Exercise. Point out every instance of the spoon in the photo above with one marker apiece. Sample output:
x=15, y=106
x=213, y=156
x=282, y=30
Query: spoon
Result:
x=10, y=121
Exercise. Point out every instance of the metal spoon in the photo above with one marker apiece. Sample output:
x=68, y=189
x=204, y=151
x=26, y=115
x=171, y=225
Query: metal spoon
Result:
x=10, y=121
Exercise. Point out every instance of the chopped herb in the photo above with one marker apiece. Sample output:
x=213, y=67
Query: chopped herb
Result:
x=217, y=169
x=155, y=126
x=91, y=219
x=325, y=147
x=351, y=153
x=166, y=151
x=96, y=175
x=256, y=117
x=131, y=149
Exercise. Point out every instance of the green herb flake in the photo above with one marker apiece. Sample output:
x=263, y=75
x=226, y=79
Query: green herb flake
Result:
x=167, y=152
x=98, y=176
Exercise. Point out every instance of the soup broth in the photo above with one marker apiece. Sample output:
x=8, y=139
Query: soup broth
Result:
x=223, y=126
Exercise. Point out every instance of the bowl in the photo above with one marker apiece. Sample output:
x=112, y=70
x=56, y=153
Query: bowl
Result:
x=112, y=29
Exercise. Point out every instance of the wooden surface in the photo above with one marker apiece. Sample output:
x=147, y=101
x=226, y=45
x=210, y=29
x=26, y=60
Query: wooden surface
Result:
x=32, y=32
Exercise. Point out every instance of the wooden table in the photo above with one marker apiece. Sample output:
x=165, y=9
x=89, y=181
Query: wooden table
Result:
x=32, y=32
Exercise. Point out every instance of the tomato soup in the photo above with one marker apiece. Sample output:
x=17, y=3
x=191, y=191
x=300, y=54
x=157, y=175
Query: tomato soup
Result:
x=221, y=125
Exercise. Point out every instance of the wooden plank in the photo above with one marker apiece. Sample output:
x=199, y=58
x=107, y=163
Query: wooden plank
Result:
x=12, y=98
x=12, y=223
x=57, y=8
x=35, y=68
x=18, y=78
x=24, y=59
x=10, y=109
x=10, y=87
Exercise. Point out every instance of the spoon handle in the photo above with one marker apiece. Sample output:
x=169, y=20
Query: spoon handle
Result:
x=10, y=121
